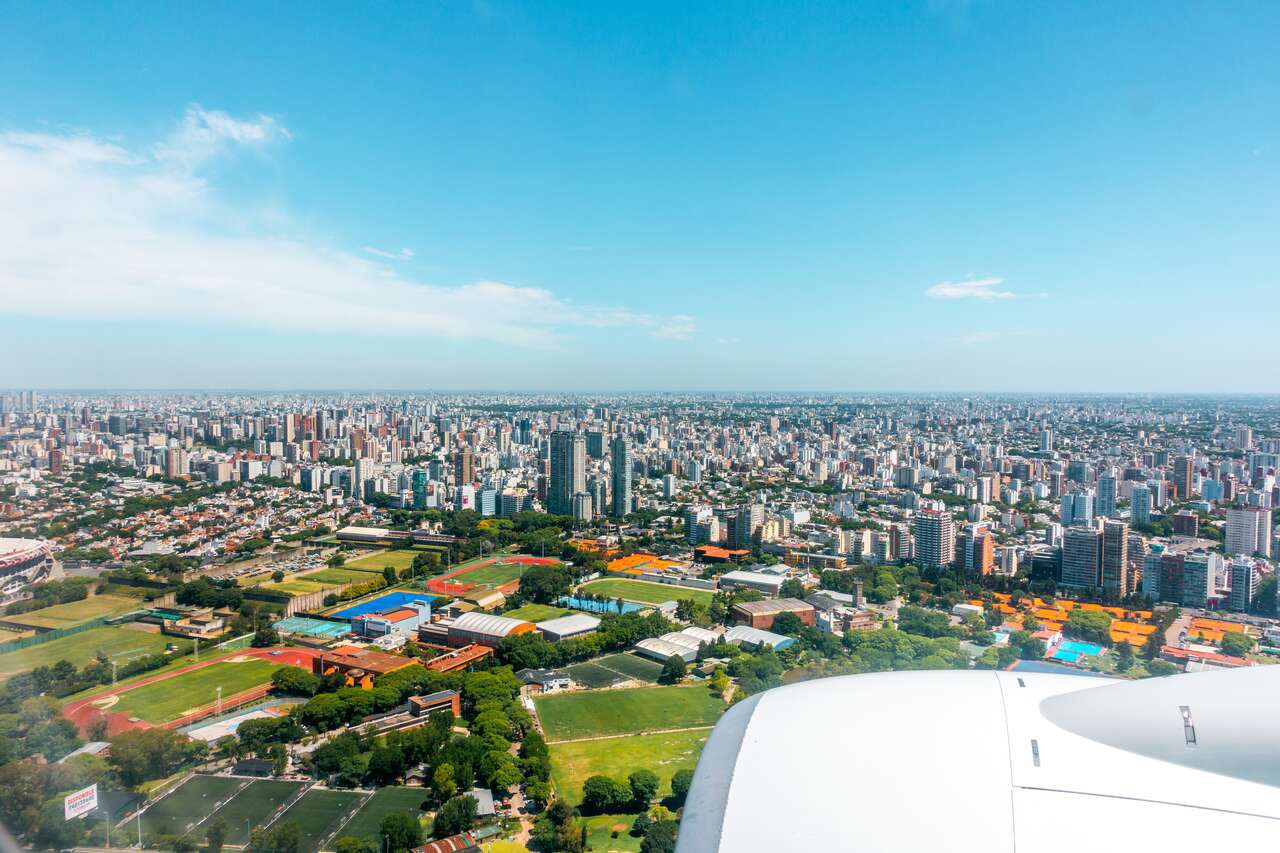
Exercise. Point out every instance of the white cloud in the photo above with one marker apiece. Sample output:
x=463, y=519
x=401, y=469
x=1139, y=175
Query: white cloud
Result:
x=970, y=288
x=402, y=255
x=92, y=230
x=203, y=134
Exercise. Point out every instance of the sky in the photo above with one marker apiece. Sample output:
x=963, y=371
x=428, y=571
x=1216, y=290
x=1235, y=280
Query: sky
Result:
x=932, y=196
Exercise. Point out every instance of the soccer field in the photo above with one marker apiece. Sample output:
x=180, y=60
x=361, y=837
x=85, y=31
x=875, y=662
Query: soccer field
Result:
x=194, y=799
x=255, y=804
x=570, y=716
x=77, y=612
x=385, y=801
x=170, y=698
x=319, y=813
x=120, y=643
x=336, y=577
x=376, y=562
x=537, y=612
x=493, y=574
x=644, y=592
x=574, y=762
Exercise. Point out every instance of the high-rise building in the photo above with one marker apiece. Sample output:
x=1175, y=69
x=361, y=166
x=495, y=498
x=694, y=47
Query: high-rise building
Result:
x=1140, y=505
x=935, y=536
x=1243, y=586
x=1183, y=476
x=1077, y=508
x=1249, y=531
x=1115, y=556
x=979, y=549
x=1081, y=556
x=1106, y=503
x=1046, y=440
x=1197, y=579
x=620, y=464
x=568, y=471
x=595, y=444
x=464, y=466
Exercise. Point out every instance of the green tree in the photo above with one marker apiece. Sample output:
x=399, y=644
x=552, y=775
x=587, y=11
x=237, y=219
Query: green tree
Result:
x=265, y=636
x=545, y=584
x=443, y=785
x=644, y=787
x=216, y=834
x=681, y=782
x=143, y=754
x=295, y=681
x=1160, y=667
x=601, y=795
x=351, y=844
x=791, y=588
x=787, y=623
x=1151, y=648
x=1236, y=643
x=1124, y=656
x=661, y=838
x=455, y=816
x=400, y=831
x=285, y=837
x=673, y=670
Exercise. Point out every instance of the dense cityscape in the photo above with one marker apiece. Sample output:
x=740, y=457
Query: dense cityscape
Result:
x=267, y=600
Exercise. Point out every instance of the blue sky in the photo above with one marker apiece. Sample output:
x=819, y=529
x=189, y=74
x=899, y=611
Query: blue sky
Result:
x=932, y=196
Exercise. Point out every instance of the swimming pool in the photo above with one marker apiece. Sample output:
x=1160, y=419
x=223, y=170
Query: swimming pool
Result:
x=383, y=602
x=1068, y=657
x=1080, y=648
x=607, y=605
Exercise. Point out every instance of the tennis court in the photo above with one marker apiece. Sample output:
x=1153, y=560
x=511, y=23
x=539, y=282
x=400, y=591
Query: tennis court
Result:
x=383, y=602
x=312, y=627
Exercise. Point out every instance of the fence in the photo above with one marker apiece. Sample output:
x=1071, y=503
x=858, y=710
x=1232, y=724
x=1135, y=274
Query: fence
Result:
x=47, y=636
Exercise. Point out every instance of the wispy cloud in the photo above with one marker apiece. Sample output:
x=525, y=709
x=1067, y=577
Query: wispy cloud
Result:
x=90, y=229
x=402, y=255
x=970, y=288
x=203, y=134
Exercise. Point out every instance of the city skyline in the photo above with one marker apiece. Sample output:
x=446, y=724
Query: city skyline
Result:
x=951, y=198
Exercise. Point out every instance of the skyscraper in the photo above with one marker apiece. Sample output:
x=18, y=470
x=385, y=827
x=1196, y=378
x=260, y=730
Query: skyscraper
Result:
x=1077, y=508
x=1183, y=476
x=1243, y=586
x=1115, y=556
x=620, y=461
x=1106, y=503
x=935, y=536
x=568, y=471
x=1249, y=531
x=1081, y=556
x=1140, y=505
x=464, y=466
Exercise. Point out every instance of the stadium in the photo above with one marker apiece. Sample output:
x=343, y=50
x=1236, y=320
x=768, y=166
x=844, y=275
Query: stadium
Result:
x=22, y=561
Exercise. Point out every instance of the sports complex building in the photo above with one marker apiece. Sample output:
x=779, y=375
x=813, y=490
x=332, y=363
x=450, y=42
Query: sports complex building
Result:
x=22, y=562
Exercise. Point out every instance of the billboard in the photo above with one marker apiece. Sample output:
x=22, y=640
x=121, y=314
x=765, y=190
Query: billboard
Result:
x=81, y=802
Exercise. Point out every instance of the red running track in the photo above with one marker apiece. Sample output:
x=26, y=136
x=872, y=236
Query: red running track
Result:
x=84, y=714
x=442, y=585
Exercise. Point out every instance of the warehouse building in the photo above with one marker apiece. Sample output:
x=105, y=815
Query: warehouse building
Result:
x=682, y=644
x=485, y=629
x=566, y=627
x=745, y=635
x=760, y=614
x=761, y=582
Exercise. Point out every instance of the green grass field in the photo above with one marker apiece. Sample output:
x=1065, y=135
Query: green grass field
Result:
x=569, y=716
x=255, y=804
x=643, y=592
x=297, y=586
x=574, y=762
x=169, y=699
x=194, y=799
x=600, y=833
x=376, y=562
x=537, y=612
x=333, y=577
x=120, y=643
x=366, y=822
x=594, y=677
x=319, y=813
x=78, y=612
x=493, y=574
x=632, y=666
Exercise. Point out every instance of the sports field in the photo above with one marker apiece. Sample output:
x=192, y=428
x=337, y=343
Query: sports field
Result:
x=376, y=562
x=191, y=802
x=570, y=716
x=644, y=592
x=537, y=612
x=319, y=813
x=170, y=698
x=255, y=804
x=614, y=669
x=297, y=586
x=574, y=762
x=337, y=577
x=78, y=612
x=120, y=643
x=493, y=574
x=600, y=829
x=384, y=802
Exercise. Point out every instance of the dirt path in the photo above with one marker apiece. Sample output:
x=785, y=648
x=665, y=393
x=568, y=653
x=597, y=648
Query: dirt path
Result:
x=633, y=734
